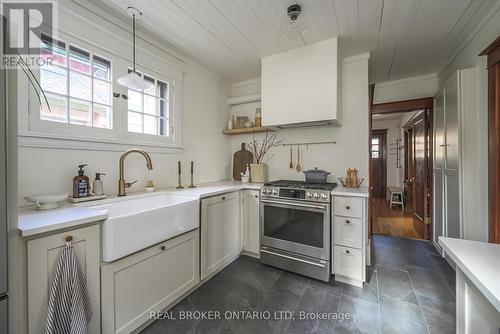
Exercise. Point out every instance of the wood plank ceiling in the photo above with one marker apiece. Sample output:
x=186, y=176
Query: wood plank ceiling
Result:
x=405, y=37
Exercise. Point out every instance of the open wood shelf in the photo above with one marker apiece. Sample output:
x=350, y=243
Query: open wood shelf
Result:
x=246, y=130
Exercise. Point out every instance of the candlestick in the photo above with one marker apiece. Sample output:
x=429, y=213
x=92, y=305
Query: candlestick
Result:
x=179, y=179
x=192, y=176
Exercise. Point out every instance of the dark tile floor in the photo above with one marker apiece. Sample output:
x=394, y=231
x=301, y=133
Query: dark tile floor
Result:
x=410, y=290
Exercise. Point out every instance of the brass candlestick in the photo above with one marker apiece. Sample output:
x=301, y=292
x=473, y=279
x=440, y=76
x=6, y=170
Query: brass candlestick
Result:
x=179, y=179
x=192, y=176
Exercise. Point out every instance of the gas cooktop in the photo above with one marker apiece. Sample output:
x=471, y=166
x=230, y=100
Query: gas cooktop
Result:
x=300, y=185
x=298, y=190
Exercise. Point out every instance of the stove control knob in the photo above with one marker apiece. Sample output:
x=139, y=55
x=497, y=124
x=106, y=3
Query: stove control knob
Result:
x=308, y=194
x=324, y=196
x=316, y=195
x=269, y=191
x=275, y=192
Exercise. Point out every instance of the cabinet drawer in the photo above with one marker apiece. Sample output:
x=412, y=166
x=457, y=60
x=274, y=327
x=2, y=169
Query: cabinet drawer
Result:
x=348, y=262
x=348, y=206
x=348, y=232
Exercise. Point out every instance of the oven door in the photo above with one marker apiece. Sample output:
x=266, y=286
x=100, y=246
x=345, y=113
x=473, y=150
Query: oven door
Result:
x=298, y=227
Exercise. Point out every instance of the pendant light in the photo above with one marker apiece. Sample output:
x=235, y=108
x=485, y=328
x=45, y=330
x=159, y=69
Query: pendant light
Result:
x=293, y=24
x=133, y=79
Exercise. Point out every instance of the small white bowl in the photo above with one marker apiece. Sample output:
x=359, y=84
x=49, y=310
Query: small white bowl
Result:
x=47, y=201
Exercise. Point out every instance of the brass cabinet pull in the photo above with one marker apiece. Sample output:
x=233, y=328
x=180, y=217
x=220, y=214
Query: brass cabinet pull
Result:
x=347, y=222
x=347, y=252
x=348, y=207
x=162, y=247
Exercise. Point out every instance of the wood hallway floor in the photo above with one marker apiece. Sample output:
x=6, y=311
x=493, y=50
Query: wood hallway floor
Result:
x=393, y=222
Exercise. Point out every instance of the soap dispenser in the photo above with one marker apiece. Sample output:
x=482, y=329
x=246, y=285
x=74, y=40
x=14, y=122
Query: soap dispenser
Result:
x=97, y=186
x=81, y=184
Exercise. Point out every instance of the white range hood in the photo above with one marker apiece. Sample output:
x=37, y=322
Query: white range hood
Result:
x=302, y=87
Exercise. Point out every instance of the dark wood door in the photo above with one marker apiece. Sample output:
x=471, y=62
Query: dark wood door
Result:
x=420, y=177
x=493, y=53
x=409, y=171
x=379, y=163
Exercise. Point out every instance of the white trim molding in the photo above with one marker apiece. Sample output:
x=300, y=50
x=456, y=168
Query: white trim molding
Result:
x=41, y=140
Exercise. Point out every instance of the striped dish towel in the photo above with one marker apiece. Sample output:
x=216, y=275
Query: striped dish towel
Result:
x=69, y=309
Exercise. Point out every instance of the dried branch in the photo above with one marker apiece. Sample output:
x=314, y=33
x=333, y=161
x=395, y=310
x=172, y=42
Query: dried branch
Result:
x=260, y=150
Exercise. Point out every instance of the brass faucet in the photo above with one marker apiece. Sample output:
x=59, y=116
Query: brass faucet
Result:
x=121, y=182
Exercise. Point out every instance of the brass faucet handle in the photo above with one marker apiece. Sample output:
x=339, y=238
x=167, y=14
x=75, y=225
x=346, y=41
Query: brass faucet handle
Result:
x=128, y=185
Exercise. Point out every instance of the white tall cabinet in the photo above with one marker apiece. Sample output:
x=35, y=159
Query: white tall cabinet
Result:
x=458, y=192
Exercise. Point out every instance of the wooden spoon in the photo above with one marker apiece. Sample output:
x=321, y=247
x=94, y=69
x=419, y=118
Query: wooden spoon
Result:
x=291, y=157
x=298, y=168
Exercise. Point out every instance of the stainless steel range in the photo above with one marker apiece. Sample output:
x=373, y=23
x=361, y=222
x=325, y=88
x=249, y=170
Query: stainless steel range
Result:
x=295, y=227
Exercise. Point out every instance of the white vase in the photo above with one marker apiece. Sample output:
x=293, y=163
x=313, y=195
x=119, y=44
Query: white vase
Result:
x=258, y=173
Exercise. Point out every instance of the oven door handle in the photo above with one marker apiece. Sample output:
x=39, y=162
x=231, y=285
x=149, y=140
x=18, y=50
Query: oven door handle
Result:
x=293, y=258
x=302, y=205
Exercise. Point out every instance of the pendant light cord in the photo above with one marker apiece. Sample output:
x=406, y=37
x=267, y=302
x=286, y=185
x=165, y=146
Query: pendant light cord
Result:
x=133, y=43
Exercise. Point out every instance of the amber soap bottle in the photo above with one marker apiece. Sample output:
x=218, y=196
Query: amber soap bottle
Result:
x=81, y=184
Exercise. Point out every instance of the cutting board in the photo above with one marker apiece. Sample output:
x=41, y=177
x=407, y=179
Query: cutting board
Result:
x=240, y=161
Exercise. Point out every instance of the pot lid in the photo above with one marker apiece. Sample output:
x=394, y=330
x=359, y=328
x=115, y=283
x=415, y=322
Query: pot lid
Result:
x=316, y=171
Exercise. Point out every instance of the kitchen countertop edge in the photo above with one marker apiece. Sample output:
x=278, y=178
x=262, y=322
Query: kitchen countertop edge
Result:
x=472, y=257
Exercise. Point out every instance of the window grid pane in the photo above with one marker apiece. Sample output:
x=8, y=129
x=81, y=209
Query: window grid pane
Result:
x=148, y=109
x=78, y=85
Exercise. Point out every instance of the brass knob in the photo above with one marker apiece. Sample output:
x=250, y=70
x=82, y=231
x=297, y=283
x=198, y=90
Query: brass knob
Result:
x=347, y=222
x=347, y=252
x=223, y=198
x=162, y=247
x=348, y=207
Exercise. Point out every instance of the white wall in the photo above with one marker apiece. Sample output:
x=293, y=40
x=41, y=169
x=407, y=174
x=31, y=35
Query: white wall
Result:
x=351, y=150
x=406, y=89
x=43, y=170
x=393, y=134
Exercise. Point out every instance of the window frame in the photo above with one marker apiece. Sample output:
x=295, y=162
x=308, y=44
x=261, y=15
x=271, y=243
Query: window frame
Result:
x=35, y=132
x=158, y=100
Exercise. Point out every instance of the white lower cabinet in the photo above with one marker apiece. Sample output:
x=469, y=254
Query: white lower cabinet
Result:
x=251, y=241
x=220, y=232
x=348, y=262
x=350, y=239
x=43, y=256
x=148, y=281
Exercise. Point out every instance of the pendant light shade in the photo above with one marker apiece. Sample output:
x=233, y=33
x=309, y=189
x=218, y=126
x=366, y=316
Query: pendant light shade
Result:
x=133, y=79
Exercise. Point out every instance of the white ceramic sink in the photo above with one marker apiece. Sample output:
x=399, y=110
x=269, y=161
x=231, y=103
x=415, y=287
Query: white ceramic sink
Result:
x=137, y=222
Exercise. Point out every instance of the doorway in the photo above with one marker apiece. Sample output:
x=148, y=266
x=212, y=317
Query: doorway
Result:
x=400, y=167
x=379, y=162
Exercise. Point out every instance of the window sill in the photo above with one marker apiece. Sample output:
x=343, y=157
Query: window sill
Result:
x=44, y=140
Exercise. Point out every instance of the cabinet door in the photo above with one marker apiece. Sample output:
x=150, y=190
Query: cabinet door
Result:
x=348, y=232
x=451, y=122
x=43, y=256
x=452, y=205
x=438, y=169
x=220, y=232
x=251, y=236
x=348, y=262
x=148, y=281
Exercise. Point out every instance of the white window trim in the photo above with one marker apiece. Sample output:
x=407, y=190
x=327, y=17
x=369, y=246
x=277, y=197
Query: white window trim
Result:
x=34, y=132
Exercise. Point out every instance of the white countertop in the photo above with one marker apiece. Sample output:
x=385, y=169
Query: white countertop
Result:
x=215, y=188
x=32, y=222
x=354, y=192
x=479, y=262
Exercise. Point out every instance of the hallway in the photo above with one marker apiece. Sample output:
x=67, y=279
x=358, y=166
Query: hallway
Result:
x=393, y=222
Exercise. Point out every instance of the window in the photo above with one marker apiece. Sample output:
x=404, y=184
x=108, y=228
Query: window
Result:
x=77, y=84
x=148, y=109
x=375, y=148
